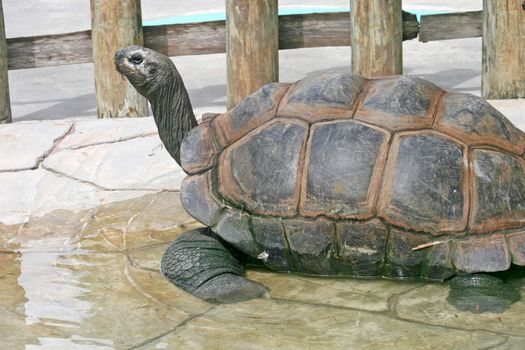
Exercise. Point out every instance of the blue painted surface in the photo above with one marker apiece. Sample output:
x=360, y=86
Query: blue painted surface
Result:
x=221, y=15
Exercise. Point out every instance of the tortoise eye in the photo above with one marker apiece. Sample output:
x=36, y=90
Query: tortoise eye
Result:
x=137, y=59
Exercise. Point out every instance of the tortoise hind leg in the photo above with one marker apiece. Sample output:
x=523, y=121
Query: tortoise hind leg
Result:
x=202, y=264
x=479, y=293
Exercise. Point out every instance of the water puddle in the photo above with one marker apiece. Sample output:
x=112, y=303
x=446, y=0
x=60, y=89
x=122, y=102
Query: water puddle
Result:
x=90, y=280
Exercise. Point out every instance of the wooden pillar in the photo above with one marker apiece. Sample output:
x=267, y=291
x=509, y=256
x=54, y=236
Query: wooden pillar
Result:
x=115, y=24
x=503, y=67
x=377, y=37
x=5, y=106
x=252, y=46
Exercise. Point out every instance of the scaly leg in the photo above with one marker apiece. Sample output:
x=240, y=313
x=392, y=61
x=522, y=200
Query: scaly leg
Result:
x=202, y=264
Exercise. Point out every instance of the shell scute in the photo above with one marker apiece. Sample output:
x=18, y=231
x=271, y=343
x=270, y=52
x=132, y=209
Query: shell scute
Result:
x=311, y=244
x=198, y=199
x=253, y=111
x=401, y=261
x=199, y=149
x=425, y=183
x=399, y=103
x=360, y=247
x=473, y=119
x=260, y=172
x=234, y=228
x=328, y=93
x=269, y=233
x=516, y=244
x=481, y=254
x=344, y=165
x=498, y=191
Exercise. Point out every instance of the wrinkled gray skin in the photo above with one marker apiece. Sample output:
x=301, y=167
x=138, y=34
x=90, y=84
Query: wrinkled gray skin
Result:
x=199, y=261
x=148, y=72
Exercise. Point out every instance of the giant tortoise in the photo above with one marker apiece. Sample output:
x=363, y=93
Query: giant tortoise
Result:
x=339, y=175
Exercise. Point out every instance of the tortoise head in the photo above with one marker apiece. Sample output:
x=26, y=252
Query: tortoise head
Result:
x=146, y=70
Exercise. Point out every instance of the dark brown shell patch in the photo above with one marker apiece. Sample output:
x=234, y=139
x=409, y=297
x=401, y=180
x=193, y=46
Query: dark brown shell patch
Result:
x=198, y=199
x=253, y=111
x=234, y=228
x=438, y=262
x=481, y=254
x=425, y=183
x=499, y=191
x=260, y=172
x=516, y=243
x=331, y=92
x=344, y=165
x=360, y=247
x=269, y=233
x=399, y=103
x=199, y=149
x=474, y=120
x=401, y=261
x=311, y=243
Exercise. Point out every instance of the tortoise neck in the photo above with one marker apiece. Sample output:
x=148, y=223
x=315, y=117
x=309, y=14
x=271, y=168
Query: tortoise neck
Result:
x=173, y=112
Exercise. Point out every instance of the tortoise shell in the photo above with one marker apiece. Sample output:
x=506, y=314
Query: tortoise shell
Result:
x=337, y=174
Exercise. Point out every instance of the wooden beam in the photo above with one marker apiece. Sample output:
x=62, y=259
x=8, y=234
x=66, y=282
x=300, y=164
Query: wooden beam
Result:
x=5, y=105
x=503, y=62
x=450, y=26
x=115, y=24
x=252, y=46
x=377, y=35
x=295, y=31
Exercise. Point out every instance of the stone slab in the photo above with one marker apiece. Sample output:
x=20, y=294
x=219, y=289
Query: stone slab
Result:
x=363, y=294
x=38, y=192
x=93, y=132
x=263, y=324
x=23, y=145
x=139, y=163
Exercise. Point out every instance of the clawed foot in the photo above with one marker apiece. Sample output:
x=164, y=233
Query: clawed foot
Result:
x=481, y=293
x=230, y=289
x=202, y=264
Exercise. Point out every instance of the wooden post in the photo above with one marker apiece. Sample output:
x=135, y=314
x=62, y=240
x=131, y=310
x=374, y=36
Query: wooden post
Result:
x=377, y=37
x=252, y=46
x=115, y=24
x=503, y=67
x=5, y=106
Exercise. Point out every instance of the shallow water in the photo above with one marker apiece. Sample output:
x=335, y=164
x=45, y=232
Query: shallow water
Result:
x=90, y=280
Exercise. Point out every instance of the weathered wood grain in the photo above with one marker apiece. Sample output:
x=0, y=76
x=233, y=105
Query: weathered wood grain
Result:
x=295, y=31
x=252, y=46
x=377, y=35
x=5, y=106
x=450, y=26
x=503, y=62
x=115, y=24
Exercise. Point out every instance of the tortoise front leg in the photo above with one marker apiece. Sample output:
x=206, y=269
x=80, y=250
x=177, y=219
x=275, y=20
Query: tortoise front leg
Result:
x=202, y=264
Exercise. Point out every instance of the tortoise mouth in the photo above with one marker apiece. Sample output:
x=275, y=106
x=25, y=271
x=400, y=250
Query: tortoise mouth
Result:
x=128, y=70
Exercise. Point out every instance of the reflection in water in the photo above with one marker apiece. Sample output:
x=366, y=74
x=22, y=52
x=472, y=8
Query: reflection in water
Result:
x=52, y=290
x=73, y=343
x=55, y=293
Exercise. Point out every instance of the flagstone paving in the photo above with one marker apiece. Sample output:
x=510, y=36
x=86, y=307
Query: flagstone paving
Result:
x=88, y=208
